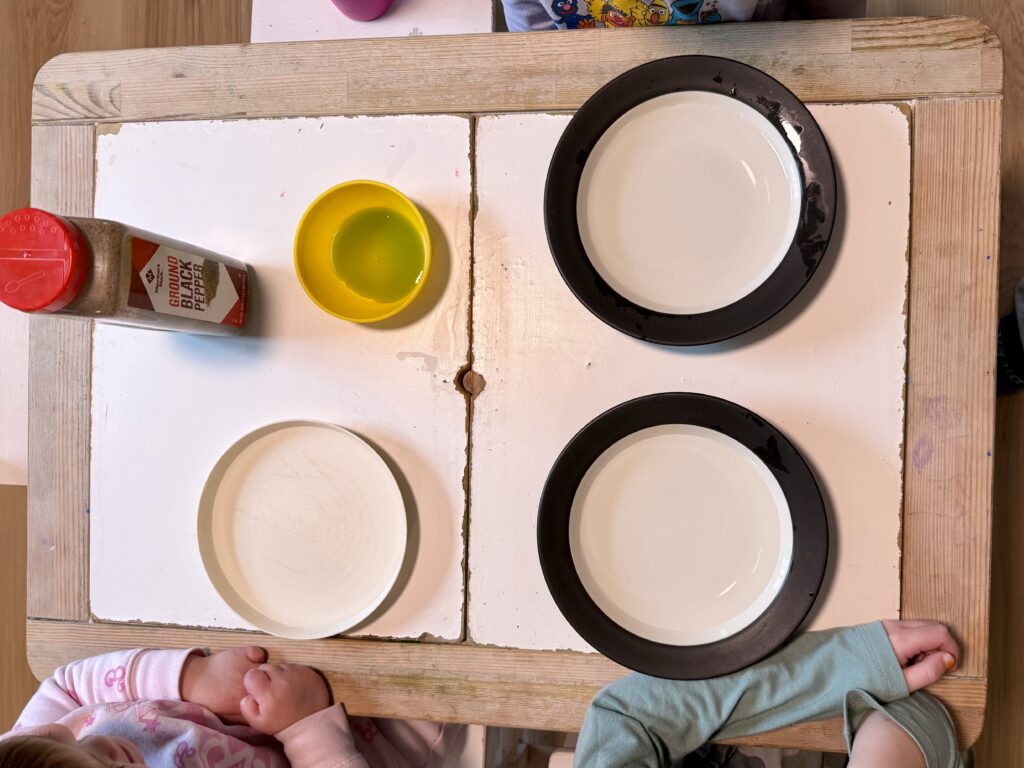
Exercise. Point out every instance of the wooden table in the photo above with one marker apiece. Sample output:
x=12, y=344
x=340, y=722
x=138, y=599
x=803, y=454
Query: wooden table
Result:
x=949, y=73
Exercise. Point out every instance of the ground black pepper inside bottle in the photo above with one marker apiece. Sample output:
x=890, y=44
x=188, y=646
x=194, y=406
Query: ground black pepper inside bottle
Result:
x=104, y=270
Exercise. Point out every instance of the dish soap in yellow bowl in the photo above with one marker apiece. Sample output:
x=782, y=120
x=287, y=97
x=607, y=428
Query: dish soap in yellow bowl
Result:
x=362, y=251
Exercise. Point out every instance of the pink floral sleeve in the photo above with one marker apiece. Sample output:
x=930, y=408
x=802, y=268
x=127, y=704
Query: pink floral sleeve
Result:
x=330, y=739
x=120, y=676
x=322, y=740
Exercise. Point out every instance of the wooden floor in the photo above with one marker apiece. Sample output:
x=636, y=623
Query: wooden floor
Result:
x=32, y=31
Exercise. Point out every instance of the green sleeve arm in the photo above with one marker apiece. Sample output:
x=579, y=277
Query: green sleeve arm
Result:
x=646, y=721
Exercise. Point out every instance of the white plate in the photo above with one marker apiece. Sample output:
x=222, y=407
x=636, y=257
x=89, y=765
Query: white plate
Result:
x=680, y=534
x=689, y=202
x=302, y=529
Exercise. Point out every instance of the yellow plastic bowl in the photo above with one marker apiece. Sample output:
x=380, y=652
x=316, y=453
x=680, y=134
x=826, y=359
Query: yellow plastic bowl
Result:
x=314, y=243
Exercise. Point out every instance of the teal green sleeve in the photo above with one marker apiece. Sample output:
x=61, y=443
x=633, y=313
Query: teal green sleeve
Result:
x=646, y=721
x=921, y=716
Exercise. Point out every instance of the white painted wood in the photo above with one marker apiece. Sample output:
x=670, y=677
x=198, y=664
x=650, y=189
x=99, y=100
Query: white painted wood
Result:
x=13, y=396
x=166, y=406
x=285, y=20
x=829, y=375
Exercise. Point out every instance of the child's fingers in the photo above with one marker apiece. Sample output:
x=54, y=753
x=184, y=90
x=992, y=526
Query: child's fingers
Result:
x=909, y=639
x=256, y=681
x=933, y=637
x=250, y=709
x=929, y=670
x=255, y=654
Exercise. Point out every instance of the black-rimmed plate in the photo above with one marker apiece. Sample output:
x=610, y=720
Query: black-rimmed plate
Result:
x=689, y=200
x=682, y=535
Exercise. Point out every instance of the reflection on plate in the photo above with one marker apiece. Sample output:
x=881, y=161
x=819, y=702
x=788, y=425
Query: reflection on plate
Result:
x=682, y=535
x=302, y=529
x=681, y=488
x=689, y=200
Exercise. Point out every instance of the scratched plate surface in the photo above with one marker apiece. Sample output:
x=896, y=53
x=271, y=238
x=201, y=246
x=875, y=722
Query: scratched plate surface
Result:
x=828, y=371
x=166, y=406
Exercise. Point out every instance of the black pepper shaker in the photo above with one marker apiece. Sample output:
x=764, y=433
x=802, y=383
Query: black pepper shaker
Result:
x=104, y=270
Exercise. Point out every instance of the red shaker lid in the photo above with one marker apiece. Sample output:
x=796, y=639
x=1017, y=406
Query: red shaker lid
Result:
x=44, y=260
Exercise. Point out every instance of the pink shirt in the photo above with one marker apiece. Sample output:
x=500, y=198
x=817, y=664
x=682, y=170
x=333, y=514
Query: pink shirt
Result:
x=136, y=695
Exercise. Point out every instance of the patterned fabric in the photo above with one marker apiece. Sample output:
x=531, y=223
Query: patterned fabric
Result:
x=523, y=15
x=134, y=695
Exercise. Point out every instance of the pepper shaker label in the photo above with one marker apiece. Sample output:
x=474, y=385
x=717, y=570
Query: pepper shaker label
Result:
x=172, y=282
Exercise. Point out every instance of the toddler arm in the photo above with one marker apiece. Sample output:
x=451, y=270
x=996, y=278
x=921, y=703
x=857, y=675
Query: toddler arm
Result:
x=881, y=743
x=321, y=740
x=911, y=733
x=329, y=739
x=120, y=676
x=647, y=721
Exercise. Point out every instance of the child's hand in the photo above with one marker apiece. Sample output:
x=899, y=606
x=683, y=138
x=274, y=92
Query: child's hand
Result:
x=215, y=681
x=926, y=650
x=282, y=694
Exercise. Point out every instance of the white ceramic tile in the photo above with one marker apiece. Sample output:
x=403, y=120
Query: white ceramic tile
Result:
x=13, y=396
x=830, y=376
x=165, y=406
x=282, y=20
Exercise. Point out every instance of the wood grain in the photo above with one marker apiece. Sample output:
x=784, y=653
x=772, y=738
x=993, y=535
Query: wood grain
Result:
x=820, y=61
x=1002, y=742
x=946, y=33
x=59, y=375
x=18, y=679
x=1006, y=20
x=445, y=682
x=952, y=323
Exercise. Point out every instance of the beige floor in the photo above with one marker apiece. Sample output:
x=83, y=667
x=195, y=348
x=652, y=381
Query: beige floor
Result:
x=31, y=31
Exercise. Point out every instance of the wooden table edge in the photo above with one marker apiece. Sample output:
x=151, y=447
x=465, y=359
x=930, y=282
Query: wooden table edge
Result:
x=847, y=60
x=547, y=689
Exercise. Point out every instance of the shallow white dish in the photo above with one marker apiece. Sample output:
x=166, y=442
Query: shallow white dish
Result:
x=689, y=202
x=302, y=529
x=680, y=534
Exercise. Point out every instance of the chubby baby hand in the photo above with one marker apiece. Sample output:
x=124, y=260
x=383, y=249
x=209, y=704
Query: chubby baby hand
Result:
x=925, y=649
x=279, y=695
x=215, y=681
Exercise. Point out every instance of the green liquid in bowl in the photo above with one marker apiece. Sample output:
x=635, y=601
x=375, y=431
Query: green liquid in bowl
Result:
x=379, y=255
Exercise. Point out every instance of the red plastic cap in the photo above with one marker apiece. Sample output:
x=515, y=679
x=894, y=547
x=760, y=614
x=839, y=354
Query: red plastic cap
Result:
x=44, y=260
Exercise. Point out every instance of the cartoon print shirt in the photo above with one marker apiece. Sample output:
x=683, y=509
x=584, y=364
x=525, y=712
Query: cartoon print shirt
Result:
x=527, y=15
x=135, y=695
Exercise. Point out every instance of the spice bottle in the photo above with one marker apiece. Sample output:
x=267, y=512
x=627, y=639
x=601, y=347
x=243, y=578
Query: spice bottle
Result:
x=107, y=271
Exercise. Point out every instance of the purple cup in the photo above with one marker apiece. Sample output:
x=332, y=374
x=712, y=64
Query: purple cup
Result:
x=362, y=10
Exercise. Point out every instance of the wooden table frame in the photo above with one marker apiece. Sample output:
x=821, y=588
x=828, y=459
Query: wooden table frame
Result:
x=947, y=70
